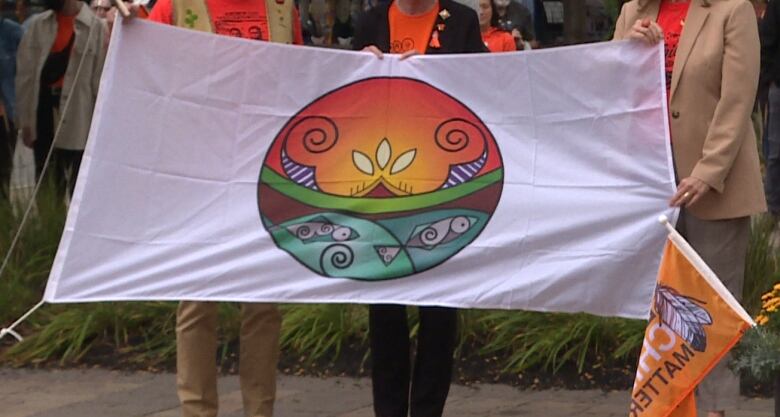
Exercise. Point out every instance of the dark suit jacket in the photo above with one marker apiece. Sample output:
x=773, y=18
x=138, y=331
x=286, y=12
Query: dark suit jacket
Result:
x=770, y=45
x=460, y=35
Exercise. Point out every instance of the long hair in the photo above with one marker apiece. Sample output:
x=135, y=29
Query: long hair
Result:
x=494, y=15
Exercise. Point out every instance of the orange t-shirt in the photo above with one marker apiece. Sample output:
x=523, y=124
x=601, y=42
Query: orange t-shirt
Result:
x=64, y=32
x=498, y=40
x=240, y=18
x=410, y=32
x=671, y=18
x=61, y=41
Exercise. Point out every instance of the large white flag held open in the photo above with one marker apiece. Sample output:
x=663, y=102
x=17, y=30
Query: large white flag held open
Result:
x=226, y=169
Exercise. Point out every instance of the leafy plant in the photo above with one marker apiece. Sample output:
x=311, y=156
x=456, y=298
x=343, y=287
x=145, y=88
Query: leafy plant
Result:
x=552, y=340
x=67, y=333
x=758, y=354
x=761, y=263
x=23, y=281
x=317, y=331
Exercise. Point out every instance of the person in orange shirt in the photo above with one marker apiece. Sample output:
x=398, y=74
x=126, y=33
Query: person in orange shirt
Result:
x=412, y=27
x=243, y=19
x=496, y=40
x=713, y=57
x=196, y=321
x=59, y=63
x=419, y=27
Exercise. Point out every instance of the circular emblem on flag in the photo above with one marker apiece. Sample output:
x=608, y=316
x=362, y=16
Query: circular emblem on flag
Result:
x=379, y=179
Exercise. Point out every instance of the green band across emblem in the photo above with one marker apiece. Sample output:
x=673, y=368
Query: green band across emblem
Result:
x=377, y=206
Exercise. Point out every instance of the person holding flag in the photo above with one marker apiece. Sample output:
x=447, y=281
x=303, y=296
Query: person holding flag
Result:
x=712, y=67
x=196, y=322
x=412, y=27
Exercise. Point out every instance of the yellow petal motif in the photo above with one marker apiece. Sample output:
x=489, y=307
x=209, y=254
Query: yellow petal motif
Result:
x=403, y=161
x=383, y=154
x=363, y=163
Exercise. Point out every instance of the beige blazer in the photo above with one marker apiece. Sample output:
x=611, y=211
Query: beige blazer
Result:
x=713, y=90
x=33, y=50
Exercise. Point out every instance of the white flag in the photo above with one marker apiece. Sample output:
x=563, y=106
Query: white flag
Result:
x=228, y=169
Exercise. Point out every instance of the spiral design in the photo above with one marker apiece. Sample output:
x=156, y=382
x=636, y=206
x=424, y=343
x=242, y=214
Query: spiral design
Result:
x=318, y=134
x=454, y=135
x=326, y=229
x=430, y=236
x=304, y=232
x=336, y=257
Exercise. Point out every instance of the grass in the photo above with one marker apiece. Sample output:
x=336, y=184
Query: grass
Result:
x=322, y=330
x=143, y=333
x=550, y=341
x=22, y=284
x=67, y=333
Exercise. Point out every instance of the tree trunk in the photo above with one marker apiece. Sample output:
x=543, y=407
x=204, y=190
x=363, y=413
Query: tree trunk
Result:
x=575, y=21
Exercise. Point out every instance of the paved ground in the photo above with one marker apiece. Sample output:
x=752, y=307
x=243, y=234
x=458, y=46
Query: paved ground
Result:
x=99, y=393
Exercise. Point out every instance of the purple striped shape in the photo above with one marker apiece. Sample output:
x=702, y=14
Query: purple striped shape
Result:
x=464, y=172
x=300, y=174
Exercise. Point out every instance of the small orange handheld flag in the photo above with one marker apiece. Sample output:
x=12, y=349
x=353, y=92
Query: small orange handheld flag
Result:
x=694, y=322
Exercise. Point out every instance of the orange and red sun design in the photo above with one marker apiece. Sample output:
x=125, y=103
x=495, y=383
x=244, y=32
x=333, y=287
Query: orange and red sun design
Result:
x=383, y=137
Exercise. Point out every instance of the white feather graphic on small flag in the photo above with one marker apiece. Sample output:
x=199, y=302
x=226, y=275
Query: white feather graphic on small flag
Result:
x=684, y=316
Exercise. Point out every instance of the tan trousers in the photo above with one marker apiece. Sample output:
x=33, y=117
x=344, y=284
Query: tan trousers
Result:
x=723, y=246
x=196, y=344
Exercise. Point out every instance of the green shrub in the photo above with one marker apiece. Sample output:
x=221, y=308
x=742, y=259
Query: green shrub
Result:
x=761, y=269
x=554, y=340
x=145, y=331
x=317, y=331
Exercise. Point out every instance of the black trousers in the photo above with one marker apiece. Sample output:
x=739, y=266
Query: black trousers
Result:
x=64, y=163
x=7, y=145
x=390, y=351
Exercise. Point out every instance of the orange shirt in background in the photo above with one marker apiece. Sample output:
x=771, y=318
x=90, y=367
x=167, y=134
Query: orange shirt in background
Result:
x=499, y=40
x=239, y=18
x=64, y=32
x=410, y=32
x=61, y=41
x=671, y=18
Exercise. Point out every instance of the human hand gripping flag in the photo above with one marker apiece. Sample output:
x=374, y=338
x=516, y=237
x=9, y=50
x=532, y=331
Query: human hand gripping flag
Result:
x=694, y=322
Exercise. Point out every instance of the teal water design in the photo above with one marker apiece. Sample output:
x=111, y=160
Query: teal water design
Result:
x=342, y=246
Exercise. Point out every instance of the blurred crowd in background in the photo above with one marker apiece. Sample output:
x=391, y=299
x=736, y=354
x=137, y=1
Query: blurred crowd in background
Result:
x=541, y=23
x=532, y=24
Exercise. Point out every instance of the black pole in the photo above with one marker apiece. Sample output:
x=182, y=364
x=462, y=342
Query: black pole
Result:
x=777, y=395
